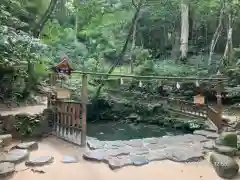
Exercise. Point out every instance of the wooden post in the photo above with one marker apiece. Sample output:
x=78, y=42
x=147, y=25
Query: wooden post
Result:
x=219, y=102
x=84, y=95
x=51, y=83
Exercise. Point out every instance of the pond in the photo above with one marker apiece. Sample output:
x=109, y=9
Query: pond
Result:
x=110, y=131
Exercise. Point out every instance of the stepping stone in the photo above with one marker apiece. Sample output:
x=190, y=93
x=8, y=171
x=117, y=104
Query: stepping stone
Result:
x=139, y=160
x=209, y=145
x=116, y=163
x=6, y=169
x=95, y=155
x=208, y=134
x=69, y=159
x=14, y=156
x=6, y=138
x=39, y=161
x=157, y=155
x=28, y=145
x=186, y=155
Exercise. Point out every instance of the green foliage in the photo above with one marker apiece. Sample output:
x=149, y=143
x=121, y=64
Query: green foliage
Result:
x=25, y=124
x=21, y=62
x=62, y=42
x=92, y=34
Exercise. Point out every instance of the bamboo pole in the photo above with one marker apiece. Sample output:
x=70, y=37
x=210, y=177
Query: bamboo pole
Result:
x=150, y=77
x=84, y=95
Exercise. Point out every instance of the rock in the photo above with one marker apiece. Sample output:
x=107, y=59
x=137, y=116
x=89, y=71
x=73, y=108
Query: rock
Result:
x=95, y=144
x=1, y=145
x=139, y=151
x=150, y=140
x=28, y=145
x=113, y=144
x=209, y=145
x=39, y=161
x=69, y=159
x=226, y=150
x=6, y=138
x=157, y=155
x=225, y=166
x=155, y=146
x=6, y=169
x=14, y=156
x=228, y=129
x=133, y=116
x=227, y=139
x=208, y=134
x=116, y=163
x=94, y=155
x=119, y=152
x=139, y=160
x=184, y=154
x=236, y=126
x=134, y=143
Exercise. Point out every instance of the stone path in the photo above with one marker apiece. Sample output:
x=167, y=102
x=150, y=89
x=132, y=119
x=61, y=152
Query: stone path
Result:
x=182, y=148
x=19, y=154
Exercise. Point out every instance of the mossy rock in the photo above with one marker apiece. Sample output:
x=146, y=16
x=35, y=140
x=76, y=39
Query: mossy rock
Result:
x=226, y=150
x=227, y=139
x=225, y=166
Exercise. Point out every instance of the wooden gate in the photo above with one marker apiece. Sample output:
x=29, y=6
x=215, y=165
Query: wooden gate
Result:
x=67, y=124
x=70, y=122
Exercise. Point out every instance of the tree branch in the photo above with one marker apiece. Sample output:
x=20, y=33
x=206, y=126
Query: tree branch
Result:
x=123, y=52
x=40, y=25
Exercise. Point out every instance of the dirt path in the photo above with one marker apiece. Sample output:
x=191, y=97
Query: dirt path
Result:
x=165, y=170
x=32, y=109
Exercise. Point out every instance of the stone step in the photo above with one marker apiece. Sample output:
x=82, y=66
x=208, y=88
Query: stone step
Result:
x=14, y=156
x=207, y=134
x=6, y=139
x=6, y=169
x=33, y=145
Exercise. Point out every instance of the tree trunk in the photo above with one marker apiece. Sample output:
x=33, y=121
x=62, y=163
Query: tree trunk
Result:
x=133, y=44
x=215, y=37
x=184, y=29
x=76, y=26
x=227, y=57
x=176, y=46
x=62, y=11
x=122, y=53
x=40, y=25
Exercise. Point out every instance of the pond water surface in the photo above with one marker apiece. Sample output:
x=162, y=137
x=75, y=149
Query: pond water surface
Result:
x=110, y=131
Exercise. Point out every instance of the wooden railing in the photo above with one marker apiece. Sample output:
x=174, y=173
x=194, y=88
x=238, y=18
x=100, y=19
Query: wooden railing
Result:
x=215, y=117
x=199, y=110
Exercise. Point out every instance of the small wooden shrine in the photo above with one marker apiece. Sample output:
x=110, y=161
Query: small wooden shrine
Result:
x=63, y=67
x=60, y=71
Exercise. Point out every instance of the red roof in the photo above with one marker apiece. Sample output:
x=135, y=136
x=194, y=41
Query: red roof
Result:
x=64, y=64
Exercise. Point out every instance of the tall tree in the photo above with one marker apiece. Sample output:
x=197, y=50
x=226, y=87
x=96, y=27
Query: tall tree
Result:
x=40, y=24
x=124, y=48
x=184, y=29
